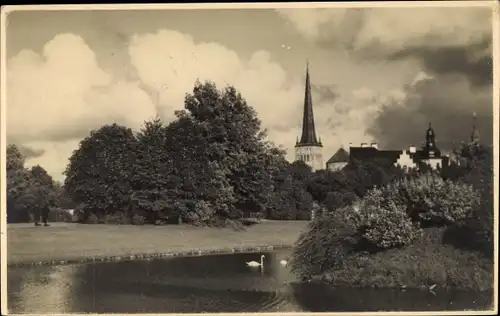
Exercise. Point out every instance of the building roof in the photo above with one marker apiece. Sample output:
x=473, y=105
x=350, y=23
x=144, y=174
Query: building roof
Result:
x=340, y=156
x=391, y=156
x=308, y=137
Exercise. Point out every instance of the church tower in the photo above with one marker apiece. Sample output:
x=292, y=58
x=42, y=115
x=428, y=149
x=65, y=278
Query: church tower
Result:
x=430, y=149
x=309, y=149
x=474, y=136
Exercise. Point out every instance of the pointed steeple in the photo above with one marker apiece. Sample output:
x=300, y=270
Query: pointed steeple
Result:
x=430, y=137
x=308, y=129
x=430, y=143
x=474, y=137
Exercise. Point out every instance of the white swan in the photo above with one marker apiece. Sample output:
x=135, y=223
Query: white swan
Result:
x=284, y=263
x=255, y=263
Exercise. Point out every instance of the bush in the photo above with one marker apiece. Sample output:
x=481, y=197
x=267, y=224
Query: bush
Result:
x=327, y=243
x=138, y=219
x=201, y=213
x=118, y=218
x=425, y=262
x=433, y=201
x=387, y=217
x=381, y=222
x=335, y=200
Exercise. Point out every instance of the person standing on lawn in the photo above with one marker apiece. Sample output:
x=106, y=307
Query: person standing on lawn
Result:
x=43, y=210
x=42, y=207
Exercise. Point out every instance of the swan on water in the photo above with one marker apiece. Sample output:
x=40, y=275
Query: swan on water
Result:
x=255, y=263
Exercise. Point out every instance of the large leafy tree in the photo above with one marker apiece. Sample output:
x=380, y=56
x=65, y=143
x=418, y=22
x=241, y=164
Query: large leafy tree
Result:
x=197, y=182
x=99, y=173
x=236, y=140
x=219, y=137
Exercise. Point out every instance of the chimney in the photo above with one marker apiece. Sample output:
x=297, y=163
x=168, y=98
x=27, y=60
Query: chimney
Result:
x=374, y=145
x=364, y=145
x=413, y=149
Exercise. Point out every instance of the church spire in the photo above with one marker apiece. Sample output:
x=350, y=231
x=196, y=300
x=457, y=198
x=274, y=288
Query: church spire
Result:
x=474, y=137
x=308, y=129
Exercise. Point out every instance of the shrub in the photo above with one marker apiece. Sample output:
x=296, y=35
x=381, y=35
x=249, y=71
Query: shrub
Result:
x=335, y=200
x=138, y=219
x=381, y=222
x=327, y=243
x=432, y=201
x=201, y=213
x=118, y=218
x=93, y=219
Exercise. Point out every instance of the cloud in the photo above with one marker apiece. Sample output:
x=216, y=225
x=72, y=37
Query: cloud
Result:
x=448, y=103
x=57, y=97
x=453, y=48
x=392, y=29
x=61, y=94
x=446, y=39
x=31, y=152
x=173, y=60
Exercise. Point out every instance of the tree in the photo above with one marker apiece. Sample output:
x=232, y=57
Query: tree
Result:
x=15, y=160
x=153, y=167
x=100, y=170
x=20, y=198
x=44, y=187
x=223, y=132
x=479, y=166
x=202, y=192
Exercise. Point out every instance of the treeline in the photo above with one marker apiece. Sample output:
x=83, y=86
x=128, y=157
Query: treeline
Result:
x=209, y=166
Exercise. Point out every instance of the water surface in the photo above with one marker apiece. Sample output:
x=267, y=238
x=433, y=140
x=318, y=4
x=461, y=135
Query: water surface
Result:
x=214, y=283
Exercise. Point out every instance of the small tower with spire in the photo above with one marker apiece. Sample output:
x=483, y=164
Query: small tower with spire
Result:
x=474, y=136
x=308, y=149
x=430, y=148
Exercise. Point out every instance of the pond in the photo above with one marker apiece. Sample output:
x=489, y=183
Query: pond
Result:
x=214, y=283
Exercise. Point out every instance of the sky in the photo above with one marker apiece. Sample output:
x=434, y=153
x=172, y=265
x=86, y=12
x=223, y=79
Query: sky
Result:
x=377, y=74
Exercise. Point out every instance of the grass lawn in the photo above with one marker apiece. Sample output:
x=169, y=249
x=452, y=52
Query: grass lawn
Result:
x=68, y=241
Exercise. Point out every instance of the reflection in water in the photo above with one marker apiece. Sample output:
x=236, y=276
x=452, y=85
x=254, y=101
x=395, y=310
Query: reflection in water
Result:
x=217, y=283
x=49, y=287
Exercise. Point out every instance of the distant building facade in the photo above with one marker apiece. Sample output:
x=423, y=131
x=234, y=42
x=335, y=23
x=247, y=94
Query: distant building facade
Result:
x=411, y=158
x=309, y=149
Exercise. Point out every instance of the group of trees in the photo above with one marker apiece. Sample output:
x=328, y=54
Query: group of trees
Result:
x=29, y=188
x=209, y=166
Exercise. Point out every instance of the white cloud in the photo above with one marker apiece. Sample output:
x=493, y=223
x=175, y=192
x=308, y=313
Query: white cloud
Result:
x=64, y=92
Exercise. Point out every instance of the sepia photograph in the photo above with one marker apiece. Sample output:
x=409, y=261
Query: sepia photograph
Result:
x=250, y=158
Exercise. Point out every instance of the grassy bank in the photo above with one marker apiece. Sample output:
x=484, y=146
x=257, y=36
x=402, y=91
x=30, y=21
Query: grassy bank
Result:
x=68, y=242
x=422, y=264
